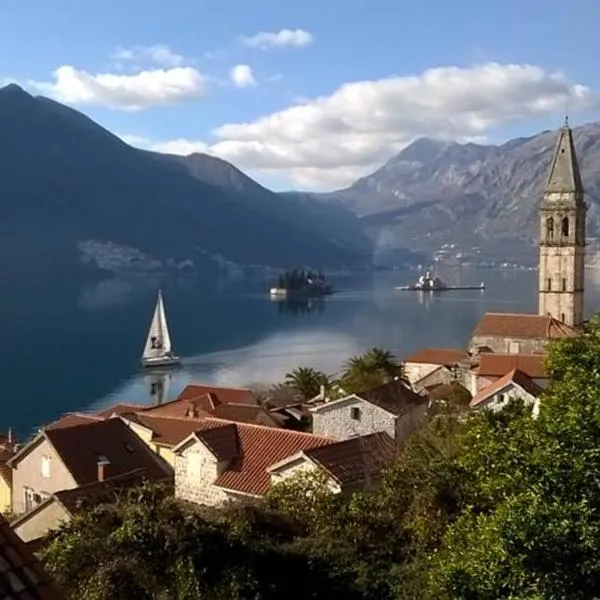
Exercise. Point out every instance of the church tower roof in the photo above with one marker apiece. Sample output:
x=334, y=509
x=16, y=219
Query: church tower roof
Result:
x=564, y=175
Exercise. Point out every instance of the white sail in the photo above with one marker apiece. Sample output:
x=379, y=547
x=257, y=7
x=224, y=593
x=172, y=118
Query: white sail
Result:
x=158, y=342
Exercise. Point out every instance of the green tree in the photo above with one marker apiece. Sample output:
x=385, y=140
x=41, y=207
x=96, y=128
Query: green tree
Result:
x=528, y=527
x=307, y=381
x=376, y=367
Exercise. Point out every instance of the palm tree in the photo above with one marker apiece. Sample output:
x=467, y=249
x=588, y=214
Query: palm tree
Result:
x=374, y=368
x=307, y=381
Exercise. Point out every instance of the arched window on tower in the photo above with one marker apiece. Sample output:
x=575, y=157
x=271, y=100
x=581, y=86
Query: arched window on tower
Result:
x=565, y=227
x=549, y=227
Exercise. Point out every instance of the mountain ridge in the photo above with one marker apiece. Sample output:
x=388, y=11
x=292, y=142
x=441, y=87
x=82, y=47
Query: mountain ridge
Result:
x=482, y=197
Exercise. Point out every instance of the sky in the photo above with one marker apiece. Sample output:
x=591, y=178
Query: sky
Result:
x=308, y=94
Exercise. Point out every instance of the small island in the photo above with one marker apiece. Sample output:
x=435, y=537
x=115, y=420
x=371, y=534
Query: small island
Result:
x=300, y=283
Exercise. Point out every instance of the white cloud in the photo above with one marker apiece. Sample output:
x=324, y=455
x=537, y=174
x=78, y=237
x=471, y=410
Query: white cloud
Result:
x=284, y=37
x=160, y=54
x=177, y=146
x=332, y=140
x=126, y=92
x=242, y=76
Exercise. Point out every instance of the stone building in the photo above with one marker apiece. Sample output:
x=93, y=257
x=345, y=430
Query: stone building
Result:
x=513, y=333
x=424, y=362
x=391, y=408
x=562, y=236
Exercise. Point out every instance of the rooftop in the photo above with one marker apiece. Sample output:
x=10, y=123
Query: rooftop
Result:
x=522, y=326
x=513, y=377
x=497, y=365
x=437, y=356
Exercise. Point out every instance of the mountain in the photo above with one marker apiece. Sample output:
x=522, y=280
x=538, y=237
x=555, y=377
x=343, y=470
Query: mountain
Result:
x=72, y=195
x=472, y=195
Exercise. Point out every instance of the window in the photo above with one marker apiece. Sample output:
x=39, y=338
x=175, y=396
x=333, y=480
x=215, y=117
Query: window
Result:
x=549, y=284
x=31, y=498
x=355, y=413
x=45, y=466
x=564, y=285
x=565, y=227
x=549, y=227
x=562, y=317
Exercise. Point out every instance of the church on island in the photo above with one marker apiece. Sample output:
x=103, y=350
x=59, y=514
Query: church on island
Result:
x=505, y=354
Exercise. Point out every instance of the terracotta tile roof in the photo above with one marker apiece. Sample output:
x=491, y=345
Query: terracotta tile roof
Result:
x=357, y=459
x=168, y=431
x=72, y=420
x=103, y=492
x=497, y=365
x=22, y=576
x=222, y=395
x=394, y=397
x=246, y=413
x=437, y=356
x=120, y=409
x=515, y=376
x=522, y=326
x=80, y=446
x=222, y=441
x=258, y=447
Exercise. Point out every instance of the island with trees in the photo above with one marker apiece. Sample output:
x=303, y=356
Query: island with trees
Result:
x=301, y=284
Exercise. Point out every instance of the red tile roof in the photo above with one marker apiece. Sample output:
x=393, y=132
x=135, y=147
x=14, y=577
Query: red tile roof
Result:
x=22, y=576
x=355, y=460
x=522, y=326
x=515, y=376
x=80, y=446
x=394, y=397
x=497, y=365
x=246, y=413
x=257, y=448
x=72, y=420
x=168, y=431
x=437, y=356
x=223, y=395
x=120, y=409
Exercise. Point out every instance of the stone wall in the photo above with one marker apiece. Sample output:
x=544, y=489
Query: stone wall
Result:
x=502, y=397
x=38, y=523
x=410, y=420
x=335, y=420
x=196, y=470
x=415, y=371
x=441, y=375
x=509, y=345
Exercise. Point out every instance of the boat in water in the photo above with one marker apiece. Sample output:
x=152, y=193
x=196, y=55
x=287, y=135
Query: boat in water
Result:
x=429, y=283
x=158, y=351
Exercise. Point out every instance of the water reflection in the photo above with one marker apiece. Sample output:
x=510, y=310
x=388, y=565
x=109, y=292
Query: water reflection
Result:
x=301, y=307
x=158, y=384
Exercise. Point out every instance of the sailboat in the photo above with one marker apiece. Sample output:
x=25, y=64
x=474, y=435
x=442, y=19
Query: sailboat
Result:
x=157, y=351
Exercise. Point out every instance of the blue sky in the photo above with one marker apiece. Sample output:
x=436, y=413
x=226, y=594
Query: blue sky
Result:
x=192, y=75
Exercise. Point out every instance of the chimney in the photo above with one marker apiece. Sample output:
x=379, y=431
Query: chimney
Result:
x=191, y=411
x=322, y=392
x=103, y=468
x=10, y=435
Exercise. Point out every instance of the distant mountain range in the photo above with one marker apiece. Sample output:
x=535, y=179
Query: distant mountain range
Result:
x=436, y=192
x=73, y=195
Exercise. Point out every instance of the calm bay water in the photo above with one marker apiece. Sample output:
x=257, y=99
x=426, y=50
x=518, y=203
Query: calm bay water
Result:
x=79, y=348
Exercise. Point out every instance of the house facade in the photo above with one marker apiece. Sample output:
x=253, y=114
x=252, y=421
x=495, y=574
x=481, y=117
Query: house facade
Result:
x=514, y=385
x=224, y=461
x=391, y=408
x=424, y=362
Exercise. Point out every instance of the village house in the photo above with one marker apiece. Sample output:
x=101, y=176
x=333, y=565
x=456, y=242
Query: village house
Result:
x=423, y=363
x=514, y=385
x=61, y=458
x=350, y=465
x=517, y=333
x=224, y=461
x=23, y=577
x=8, y=448
x=60, y=507
x=391, y=408
x=492, y=367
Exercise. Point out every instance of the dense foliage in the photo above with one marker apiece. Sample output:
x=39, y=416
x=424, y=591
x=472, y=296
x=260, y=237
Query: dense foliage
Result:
x=496, y=505
x=298, y=279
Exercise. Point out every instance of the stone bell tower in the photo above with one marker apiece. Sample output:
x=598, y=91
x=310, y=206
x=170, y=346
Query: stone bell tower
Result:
x=562, y=236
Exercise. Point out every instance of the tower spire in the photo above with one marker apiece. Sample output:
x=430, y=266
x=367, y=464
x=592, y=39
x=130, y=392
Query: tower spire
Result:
x=564, y=174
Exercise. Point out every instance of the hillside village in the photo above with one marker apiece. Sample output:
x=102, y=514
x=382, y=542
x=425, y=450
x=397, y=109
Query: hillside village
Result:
x=215, y=446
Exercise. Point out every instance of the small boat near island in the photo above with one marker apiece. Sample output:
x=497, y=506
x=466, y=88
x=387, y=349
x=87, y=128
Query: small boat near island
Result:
x=158, y=351
x=428, y=283
x=299, y=284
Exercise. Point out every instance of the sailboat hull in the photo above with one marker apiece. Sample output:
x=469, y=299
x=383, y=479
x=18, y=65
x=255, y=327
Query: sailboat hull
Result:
x=161, y=361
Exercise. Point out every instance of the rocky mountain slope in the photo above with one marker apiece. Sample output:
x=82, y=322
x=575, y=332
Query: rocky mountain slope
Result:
x=436, y=192
x=74, y=195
